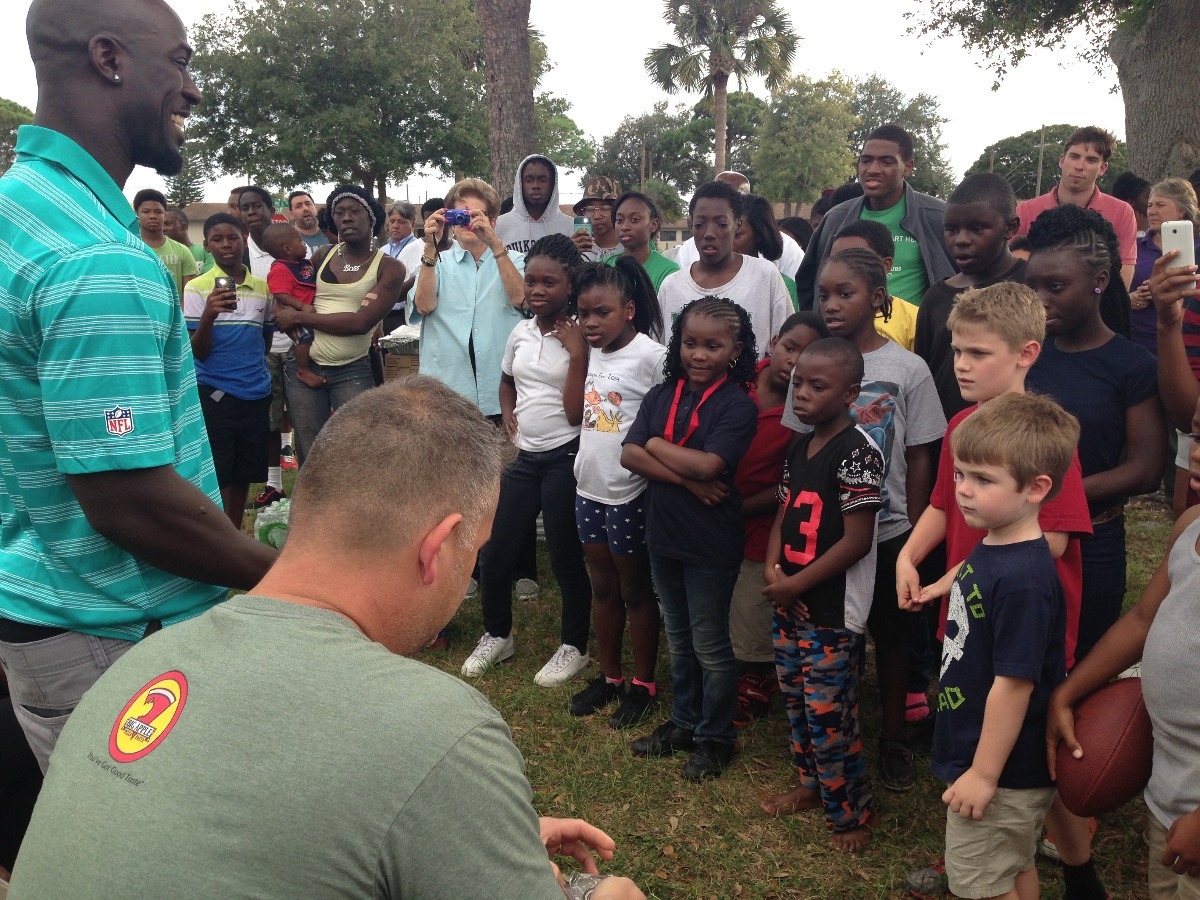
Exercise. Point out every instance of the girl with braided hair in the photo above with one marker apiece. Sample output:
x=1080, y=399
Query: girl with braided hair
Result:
x=541, y=405
x=1107, y=382
x=357, y=285
x=619, y=315
x=687, y=440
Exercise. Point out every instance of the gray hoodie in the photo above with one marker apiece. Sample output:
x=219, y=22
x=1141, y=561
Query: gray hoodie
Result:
x=517, y=229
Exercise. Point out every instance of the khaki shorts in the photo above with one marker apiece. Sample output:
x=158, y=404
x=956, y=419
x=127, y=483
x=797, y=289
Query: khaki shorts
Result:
x=750, y=616
x=275, y=362
x=984, y=858
x=1165, y=884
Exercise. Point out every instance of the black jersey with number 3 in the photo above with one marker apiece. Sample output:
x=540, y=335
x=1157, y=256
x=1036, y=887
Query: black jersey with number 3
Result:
x=842, y=477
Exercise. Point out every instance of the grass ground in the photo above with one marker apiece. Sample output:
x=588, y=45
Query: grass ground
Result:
x=676, y=839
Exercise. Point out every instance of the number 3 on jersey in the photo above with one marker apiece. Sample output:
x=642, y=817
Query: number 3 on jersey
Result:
x=807, y=528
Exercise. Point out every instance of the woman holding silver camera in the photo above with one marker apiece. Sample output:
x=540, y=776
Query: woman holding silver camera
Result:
x=357, y=284
x=468, y=298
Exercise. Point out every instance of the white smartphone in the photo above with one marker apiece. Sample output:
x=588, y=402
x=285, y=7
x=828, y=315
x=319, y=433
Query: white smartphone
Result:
x=1179, y=236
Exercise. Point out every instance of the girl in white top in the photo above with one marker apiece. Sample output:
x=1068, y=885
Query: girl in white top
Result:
x=545, y=361
x=621, y=320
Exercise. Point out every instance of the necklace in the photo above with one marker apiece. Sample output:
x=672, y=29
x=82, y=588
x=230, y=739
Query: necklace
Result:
x=346, y=266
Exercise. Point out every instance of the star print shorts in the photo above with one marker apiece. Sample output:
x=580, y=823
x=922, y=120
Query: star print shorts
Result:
x=622, y=527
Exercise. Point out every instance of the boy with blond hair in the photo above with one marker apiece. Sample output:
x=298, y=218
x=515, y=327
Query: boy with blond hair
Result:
x=996, y=335
x=1004, y=651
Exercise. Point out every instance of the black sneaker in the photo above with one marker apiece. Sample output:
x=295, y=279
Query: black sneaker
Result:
x=896, y=769
x=268, y=496
x=598, y=694
x=708, y=760
x=635, y=707
x=664, y=740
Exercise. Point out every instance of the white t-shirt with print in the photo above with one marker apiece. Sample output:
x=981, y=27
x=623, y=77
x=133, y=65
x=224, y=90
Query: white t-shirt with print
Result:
x=612, y=395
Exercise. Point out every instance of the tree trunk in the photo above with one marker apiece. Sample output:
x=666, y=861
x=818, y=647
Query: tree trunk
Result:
x=1159, y=69
x=720, y=116
x=512, y=128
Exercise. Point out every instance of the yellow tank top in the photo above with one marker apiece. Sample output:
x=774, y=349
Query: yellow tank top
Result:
x=336, y=349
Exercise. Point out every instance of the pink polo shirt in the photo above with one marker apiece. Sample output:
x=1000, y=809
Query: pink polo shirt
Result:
x=1118, y=212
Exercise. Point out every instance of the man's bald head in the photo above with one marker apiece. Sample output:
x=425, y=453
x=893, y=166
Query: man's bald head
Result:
x=112, y=75
x=60, y=31
x=735, y=180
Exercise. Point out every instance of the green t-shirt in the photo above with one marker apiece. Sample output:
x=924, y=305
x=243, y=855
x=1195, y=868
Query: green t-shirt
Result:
x=908, y=278
x=268, y=749
x=98, y=377
x=179, y=261
x=204, y=259
x=657, y=267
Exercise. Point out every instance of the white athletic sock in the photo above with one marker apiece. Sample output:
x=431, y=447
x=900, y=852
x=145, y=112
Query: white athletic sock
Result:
x=275, y=477
x=285, y=438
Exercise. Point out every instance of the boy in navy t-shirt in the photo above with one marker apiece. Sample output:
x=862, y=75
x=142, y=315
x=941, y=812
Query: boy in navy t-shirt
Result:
x=1004, y=651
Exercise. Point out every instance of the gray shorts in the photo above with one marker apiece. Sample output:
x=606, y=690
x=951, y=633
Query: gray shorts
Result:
x=984, y=858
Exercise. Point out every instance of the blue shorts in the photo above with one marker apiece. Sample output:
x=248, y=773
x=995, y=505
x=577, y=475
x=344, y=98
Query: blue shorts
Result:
x=622, y=527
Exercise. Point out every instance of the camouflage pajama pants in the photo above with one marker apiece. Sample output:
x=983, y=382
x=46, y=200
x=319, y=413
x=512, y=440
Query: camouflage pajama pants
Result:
x=819, y=671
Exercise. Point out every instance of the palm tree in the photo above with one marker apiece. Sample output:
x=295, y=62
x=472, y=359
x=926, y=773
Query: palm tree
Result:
x=717, y=39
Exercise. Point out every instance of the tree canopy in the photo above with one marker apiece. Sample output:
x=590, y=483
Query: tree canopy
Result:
x=300, y=91
x=12, y=116
x=717, y=40
x=310, y=91
x=188, y=186
x=672, y=154
x=1152, y=43
x=802, y=146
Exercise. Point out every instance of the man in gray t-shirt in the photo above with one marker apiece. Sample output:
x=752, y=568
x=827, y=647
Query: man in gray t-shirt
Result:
x=283, y=744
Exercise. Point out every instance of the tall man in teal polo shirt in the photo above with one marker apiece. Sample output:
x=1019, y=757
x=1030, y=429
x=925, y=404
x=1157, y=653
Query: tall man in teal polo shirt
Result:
x=109, y=520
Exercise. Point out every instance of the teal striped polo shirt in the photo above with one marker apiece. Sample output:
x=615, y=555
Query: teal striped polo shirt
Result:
x=97, y=376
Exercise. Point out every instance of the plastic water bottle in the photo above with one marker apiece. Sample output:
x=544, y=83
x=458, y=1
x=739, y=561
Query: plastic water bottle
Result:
x=271, y=525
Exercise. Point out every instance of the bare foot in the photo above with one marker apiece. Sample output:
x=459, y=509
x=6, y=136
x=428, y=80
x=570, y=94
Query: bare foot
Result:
x=311, y=378
x=791, y=802
x=856, y=839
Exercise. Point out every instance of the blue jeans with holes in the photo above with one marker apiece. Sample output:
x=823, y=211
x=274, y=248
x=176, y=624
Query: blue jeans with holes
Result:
x=47, y=678
x=695, y=602
x=310, y=408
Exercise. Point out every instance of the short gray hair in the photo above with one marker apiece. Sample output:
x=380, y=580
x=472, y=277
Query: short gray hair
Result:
x=1180, y=192
x=406, y=210
x=395, y=461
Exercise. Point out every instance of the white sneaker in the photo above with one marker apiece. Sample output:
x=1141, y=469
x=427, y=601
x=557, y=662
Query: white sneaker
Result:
x=527, y=589
x=487, y=653
x=565, y=664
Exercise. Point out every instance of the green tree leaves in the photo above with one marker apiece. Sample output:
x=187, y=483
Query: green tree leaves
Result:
x=802, y=145
x=12, y=116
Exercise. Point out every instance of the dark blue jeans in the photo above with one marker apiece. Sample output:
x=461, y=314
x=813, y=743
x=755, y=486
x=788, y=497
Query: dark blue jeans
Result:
x=1103, y=557
x=537, y=482
x=310, y=408
x=695, y=601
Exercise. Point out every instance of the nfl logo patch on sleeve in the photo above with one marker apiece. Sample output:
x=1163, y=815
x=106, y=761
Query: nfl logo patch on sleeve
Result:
x=118, y=420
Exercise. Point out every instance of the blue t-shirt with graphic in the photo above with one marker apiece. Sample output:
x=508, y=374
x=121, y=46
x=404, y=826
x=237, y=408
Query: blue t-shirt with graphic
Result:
x=1007, y=618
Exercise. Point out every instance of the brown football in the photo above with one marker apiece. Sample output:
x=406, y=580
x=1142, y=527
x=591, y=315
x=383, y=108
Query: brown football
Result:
x=1113, y=728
